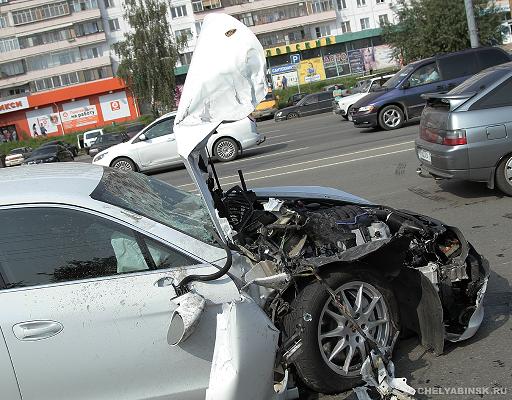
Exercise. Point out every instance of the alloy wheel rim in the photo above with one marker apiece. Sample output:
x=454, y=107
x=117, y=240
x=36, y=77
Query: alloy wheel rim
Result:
x=225, y=149
x=508, y=171
x=292, y=115
x=342, y=347
x=123, y=165
x=392, y=118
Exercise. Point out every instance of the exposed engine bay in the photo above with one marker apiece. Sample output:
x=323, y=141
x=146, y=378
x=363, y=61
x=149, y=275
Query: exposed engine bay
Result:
x=289, y=239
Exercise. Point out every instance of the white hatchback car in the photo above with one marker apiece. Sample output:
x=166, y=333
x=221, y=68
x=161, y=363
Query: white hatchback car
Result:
x=155, y=146
x=363, y=88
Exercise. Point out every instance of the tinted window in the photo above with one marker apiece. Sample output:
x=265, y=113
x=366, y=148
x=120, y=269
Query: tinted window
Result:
x=156, y=200
x=49, y=245
x=90, y=135
x=164, y=127
x=310, y=100
x=325, y=96
x=46, y=150
x=423, y=75
x=459, y=65
x=491, y=57
x=498, y=97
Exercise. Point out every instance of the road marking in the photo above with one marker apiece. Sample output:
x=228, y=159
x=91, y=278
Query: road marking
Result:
x=276, y=130
x=320, y=166
x=274, y=137
x=267, y=155
x=273, y=144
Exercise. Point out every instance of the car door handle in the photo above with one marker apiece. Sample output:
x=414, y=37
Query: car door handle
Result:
x=171, y=139
x=36, y=330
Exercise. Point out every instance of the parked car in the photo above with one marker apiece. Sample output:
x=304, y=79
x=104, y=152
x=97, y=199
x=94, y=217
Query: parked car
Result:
x=295, y=98
x=103, y=142
x=465, y=133
x=314, y=103
x=71, y=147
x=90, y=136
x=17, y=156
x=400, y=100
x=155, y=146
x=49, y=154
x=344, y=105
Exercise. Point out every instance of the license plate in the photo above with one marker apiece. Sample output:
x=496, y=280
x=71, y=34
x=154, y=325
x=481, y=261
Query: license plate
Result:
x=424, y=155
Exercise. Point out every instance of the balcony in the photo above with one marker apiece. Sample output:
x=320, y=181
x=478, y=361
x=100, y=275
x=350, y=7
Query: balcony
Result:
x=43, y=26
x=294, y=22
x=62, y=69
x=246, y=7
x=56, y=46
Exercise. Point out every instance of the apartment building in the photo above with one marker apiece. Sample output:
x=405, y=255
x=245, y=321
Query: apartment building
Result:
x=312, y=40
x=48, y=47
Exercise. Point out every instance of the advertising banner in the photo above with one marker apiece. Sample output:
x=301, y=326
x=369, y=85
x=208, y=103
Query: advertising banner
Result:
x=40, y=122
x=114, y=106
x=311, y=70
x=384, y=57
x=355, y=59
x=19, y=103
x=78, y=117
x=284, y=76
x=336, y=64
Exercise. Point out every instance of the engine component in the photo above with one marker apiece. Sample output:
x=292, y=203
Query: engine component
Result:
x=431, y=272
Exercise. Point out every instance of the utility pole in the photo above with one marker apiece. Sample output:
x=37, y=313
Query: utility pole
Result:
x=473, y=32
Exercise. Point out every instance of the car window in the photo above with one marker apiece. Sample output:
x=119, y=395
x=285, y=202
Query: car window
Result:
x=90, y=135
x=423, y=75
x=459, y=65
x=49, y=245
x=500, y=96
x=491, y=57
x=480, y=81
x=325, y=96
x=398, y=77
x=164, y=127
x=310, y=100
x=158, y=201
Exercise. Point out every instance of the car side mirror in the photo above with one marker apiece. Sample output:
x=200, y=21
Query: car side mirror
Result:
x=185, y=317
x=406, y=85
x=142, y=137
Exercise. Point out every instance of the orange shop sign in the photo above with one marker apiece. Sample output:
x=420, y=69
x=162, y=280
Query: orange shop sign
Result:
x=80, y=116
x=11, y=105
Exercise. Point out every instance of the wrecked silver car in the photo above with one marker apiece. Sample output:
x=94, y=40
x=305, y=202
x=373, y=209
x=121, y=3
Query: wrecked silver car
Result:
x=338, y=276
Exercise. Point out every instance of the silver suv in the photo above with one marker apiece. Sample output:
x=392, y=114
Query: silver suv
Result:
x=467, y=132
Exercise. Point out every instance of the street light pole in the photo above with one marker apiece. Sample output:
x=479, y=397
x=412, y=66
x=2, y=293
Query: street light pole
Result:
x=473, y=31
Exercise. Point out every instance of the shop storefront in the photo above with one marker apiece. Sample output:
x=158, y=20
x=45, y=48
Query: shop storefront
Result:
x=67, y=110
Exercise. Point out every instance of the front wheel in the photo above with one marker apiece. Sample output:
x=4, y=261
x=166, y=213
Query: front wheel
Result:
x=226, y=149
x=504, y=175
x=124, y=164
x=332, y=350
x=391, y=117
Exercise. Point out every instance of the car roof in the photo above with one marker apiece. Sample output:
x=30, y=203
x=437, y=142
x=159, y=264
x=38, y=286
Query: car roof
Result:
x=71, y=183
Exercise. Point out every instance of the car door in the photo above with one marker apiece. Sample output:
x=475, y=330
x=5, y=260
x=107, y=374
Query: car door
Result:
x=159, y=145
x=85, y=306
x=425, y=79
x=324, y=102
x=309, y=105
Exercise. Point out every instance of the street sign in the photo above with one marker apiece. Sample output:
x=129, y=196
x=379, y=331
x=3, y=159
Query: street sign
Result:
x=294, y=58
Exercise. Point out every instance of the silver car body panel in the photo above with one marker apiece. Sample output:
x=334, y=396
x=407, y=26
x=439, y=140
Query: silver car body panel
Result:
x=488, y=134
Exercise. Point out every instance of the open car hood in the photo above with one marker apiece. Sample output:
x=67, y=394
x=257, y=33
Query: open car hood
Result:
x=219, y=87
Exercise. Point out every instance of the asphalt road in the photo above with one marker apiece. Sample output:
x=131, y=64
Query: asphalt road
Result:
x=380, y=166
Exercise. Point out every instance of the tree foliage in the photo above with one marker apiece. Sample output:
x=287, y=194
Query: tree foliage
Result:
x=428, y=27
x=148, y=54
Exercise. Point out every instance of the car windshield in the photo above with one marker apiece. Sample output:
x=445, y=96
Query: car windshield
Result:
x=480, y=81
x=363, y=86
x=398, y=77
x=17, y=151
x=158, y=201
x=52, y=149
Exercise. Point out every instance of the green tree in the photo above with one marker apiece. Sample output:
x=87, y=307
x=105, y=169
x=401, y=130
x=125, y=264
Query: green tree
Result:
x=428, y=27
x=148, y=54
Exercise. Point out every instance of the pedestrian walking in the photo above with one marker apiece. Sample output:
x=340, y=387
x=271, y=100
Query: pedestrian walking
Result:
x=43, y=130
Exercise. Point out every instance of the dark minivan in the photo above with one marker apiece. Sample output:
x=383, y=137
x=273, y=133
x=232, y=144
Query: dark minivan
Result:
x=399, y=99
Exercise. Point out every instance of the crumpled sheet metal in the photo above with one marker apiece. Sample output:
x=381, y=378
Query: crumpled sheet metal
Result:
x=384, y=382
x=243, y=359
x=189, y=310
x=223, y=85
